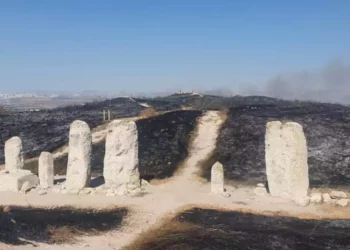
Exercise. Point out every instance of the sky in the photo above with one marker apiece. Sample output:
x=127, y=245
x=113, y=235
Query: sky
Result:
x=150, y=45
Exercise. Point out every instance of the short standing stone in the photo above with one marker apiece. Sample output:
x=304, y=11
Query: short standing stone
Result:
x=121, y=161
x=79, y=156
x=46, y=170
x=217, y=178
x=14, y=154
x=286, y=160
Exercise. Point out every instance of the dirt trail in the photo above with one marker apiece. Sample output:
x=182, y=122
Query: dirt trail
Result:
x=161, y=200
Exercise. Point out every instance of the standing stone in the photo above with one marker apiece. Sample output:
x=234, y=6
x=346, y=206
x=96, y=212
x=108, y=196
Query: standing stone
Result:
x=46, y=170
x=121, y=161
x=79, y=156
x=217, y=178
x=14, y=154
x=286, y=160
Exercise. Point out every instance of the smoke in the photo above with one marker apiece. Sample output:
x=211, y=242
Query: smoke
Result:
x=329, y=84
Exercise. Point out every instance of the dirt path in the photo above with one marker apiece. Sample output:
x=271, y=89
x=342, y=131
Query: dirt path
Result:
x=161, y=200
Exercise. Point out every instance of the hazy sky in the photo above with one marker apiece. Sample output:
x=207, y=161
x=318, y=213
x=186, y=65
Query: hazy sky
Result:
x=149, y=45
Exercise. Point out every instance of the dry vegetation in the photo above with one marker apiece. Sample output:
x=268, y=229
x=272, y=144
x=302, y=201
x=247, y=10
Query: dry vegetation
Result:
x=56, y=226
x=148, y=112
x=214, y=228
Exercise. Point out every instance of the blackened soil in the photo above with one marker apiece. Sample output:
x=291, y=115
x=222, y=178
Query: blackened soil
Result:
x=47, y=130
x=241, y=146
x=163, y=142
x=163, y=145
x=56, y=225
x=216, y=230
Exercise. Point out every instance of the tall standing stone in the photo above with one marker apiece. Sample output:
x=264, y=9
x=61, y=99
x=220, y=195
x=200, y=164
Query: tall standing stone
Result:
x=286, y=160
x=217, y=178
x=14, y=154
x=46, y=170
x=79, y=156
x=121, y=158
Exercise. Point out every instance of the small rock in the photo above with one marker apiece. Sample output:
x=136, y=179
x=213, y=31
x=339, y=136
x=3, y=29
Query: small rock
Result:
x=145, y=183
x=110, y=194
x=328, y=200
x=261, y=185
x=41, y=192
x=342, y=202
x=316, y=198
x=7, y=209
x=303, y=202
x=4, y=172
x=26, y=187
x=260, y=191
x=338, y=195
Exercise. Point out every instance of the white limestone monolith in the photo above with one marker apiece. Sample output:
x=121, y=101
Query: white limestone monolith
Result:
x=79, y=156
x=286, y=160
x=217, y=178
x=46, y=170
x=121, y=161
x=14, y=154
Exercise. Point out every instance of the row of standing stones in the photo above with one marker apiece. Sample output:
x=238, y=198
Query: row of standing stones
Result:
x=120, y=163
x=286, y=168
x=285, y=156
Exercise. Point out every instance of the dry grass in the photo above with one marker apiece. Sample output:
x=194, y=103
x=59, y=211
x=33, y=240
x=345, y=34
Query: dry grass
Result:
x=171, y=234
x=148, y=112
x=64, y=234
x=161, y=238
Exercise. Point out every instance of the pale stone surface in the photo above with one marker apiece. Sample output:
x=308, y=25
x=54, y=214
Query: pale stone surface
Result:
x=217, y=178
x=27, y=186
x=46, y=170
x=260, y=185
x=14, y=154
x=121, y=161
x=342, y=202
x=79, y=156
x=338, y=195
x=303, y=201
x=328, y=200
x=286, y=160
x=226, y=195
x=316, y=198
x=14, y=180
x=261, y=191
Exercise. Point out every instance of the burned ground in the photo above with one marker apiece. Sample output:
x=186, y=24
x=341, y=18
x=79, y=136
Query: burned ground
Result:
x=47, y=130
x=57, y=226
x=241, y=146
x=163, y=145
x=163, y=142
x=217, y=230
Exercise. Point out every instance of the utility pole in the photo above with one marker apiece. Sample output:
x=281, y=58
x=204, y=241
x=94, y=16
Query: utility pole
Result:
x=109, y=115
x=104, y=115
